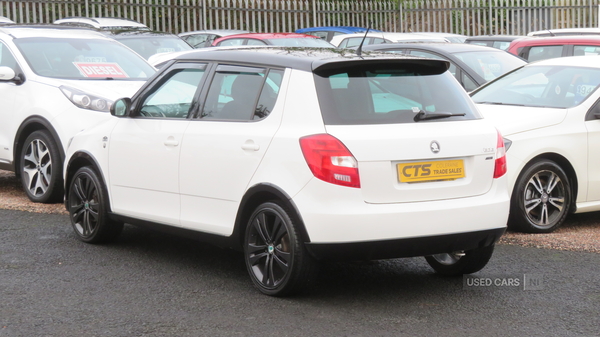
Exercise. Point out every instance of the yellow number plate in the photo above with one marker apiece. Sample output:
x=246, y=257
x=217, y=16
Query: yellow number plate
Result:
x=431, y=170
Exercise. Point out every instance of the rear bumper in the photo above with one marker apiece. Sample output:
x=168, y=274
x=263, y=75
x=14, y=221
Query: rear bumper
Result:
x=335, y=215
x=408, y=247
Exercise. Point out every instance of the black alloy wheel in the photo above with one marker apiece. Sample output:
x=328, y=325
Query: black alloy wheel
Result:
x=275, y=256
x=462, y=262
x=87, y=208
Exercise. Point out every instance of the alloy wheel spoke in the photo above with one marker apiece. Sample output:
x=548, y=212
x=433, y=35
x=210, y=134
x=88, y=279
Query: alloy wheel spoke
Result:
x=557, y=202
x=42, y=151
x=77, y=212
x=93, y=214
x=31, y=177
x=31, y=158
x=260, y=226
x=531, y=204
x=537, y=183
x=282, y=258
x=279, y=230
x=266, y=270
x=255, y=258
x=544, y=215
x=271, y=272
x=87, y=228
x=46, y=175
x=77, y=188
x=552, y=182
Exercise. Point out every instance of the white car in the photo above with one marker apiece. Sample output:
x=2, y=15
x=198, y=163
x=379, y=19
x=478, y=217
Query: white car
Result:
x=294, y=155
x=102, y=23
x=549, y=113
x=54, y=82
x=205, y=38
x=4, y=19
x=133, y=34
x=354, y=40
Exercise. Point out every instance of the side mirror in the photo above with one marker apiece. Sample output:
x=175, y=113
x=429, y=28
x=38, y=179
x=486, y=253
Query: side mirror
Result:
x=7, y=74
x=120, y=108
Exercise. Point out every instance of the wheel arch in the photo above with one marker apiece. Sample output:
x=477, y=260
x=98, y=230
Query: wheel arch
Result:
x=566, y=165
x=29, y=125
x=78, y=160
x=257, y=195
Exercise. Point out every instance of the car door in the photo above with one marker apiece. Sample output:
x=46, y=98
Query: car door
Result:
x=224, y=146
x=145, y=147
x=8, y=93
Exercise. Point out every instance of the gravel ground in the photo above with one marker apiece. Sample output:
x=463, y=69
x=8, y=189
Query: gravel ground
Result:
x=581, y=232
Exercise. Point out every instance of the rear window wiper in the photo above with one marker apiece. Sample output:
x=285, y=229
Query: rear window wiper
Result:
x=424, y=115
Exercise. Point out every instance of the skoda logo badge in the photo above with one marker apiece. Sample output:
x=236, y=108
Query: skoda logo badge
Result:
x=434, y=146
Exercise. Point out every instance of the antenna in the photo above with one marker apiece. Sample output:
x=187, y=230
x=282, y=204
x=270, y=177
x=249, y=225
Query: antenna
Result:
x=359, y=49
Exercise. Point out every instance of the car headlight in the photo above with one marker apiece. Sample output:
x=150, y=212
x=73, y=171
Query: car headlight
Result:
x=86, y=101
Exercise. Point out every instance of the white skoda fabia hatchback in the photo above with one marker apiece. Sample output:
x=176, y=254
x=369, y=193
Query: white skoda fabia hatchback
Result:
x=298, y=155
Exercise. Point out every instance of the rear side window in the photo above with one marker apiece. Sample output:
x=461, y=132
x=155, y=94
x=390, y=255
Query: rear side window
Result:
x=544, y=52
x=378, y=94
x=503, y=45
x=242, y=93
x=586, y=50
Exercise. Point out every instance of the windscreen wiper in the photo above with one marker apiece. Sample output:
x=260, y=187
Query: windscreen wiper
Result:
x=500, y=103
x=424, y=115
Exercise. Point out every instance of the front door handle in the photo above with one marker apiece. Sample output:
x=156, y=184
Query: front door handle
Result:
x=171, y=142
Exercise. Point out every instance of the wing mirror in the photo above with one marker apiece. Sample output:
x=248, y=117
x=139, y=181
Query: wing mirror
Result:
x=120, y=108
x=8, y=74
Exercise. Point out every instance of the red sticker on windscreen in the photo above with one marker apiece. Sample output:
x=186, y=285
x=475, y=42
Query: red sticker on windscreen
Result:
x=100, y=70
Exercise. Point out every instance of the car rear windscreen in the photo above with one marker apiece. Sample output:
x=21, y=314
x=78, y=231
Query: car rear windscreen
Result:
x=380, y=94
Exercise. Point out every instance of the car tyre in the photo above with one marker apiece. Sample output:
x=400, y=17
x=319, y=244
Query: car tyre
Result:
x=460, y=263
x=276, y=259
x=541, y=198
x=87, y=206
x=41, y=168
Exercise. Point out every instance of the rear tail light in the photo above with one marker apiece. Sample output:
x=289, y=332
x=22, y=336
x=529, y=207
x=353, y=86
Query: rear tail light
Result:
x=500, y=164
x=330, y=160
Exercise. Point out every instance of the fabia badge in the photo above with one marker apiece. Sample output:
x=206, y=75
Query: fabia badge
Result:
x=434, y=146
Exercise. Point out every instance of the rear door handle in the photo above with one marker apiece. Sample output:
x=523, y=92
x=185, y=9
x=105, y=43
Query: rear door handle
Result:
x=249, y=145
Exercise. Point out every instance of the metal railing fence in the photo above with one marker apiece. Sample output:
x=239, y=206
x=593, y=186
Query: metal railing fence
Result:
x=469, y=17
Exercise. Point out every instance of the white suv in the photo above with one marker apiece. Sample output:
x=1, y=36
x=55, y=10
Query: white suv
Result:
x=54, y=82
x=294, y=155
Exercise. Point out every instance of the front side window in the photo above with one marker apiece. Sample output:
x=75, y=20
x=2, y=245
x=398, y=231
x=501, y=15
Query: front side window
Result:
x=255, y=42
x=197, y=40
x=83, y=59
x=541, y=86
x=232, y=42
x=174, y=97
x=6, y=58
x=387, y=94
x=352, y=42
